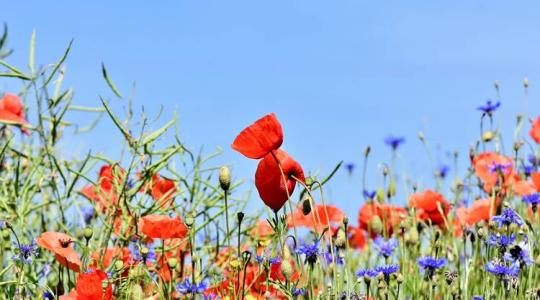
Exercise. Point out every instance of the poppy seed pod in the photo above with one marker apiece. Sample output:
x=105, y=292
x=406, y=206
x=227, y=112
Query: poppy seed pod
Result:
x=376, y=225
x=526, y=82
x=306, y=206
x=367, y=151
x=88, y=233
x=286, y=269
x=224, y=178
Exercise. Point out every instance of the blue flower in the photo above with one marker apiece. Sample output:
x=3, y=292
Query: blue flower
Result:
x=394, y=142
x=335, y=259
x=367, y=272
x=430, y=263
x=271, y=260
x=298, y=292
x=25, y=252
x=443, y=171
x=136, y=255
x=500, y=168
x=187, y=287
x=47, y=295
x=387, y=270
x=274, y=260
x=369, y=195
x=535, y=161
x=533, y=199
x=385, y=247
x=349, y=167
x=528, y=170
x=2, y=224
x=502, y=241
x=310, y=251
x=477, y=297
x=508, y=217
x=500, y=269
x=489, y=107
x=88, y=214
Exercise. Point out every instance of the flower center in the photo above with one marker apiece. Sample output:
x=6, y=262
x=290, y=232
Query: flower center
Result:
x=65, y=242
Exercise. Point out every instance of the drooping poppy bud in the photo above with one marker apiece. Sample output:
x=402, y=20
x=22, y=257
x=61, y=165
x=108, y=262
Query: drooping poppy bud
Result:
x=259, y=138
x=12, y=110
x=274, y=186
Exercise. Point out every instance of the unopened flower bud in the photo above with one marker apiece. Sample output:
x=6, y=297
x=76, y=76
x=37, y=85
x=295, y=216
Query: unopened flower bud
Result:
x=88, y=233
x=306, y=206
x=392, y=188
x=118, y=265
x=487, y=136
x=367, y=151
x=240, y=217
x=172, y=262
x=225, y=178
x=189, y=221
x=496, y=84
x=144, y=251
x=421, y=136
x=526, y=82
x=286, y=269
x=308, y=181
x=376, y=225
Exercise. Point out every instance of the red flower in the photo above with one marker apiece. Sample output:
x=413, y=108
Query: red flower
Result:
x=524, y=187
x=90, y=286
x=61, y=245
x=357, y=237
x=259, y=138
x=163, y=190
x=535, y=130
x=270, y=182
x=12, y=110
x=105, y=192
x=485, y=165
x=261, y=230
x=390, y=217
x=430, y=205
x=480, y=210
x=111, y=254
x=320, y=217
x=162, y=227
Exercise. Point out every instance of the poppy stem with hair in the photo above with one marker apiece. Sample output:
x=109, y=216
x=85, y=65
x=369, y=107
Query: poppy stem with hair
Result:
x=227, y=219
x=239, y=217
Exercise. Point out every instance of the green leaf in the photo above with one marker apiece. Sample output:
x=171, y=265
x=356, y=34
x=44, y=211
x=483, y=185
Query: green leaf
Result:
x=15, y=75
x=156, y=134
x=118, y=124
x=57, y=65
x=11, y=68
x=109, y=81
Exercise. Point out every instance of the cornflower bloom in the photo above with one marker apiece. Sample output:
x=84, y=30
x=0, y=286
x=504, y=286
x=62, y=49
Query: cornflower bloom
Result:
x=394, y=142
x=498, y=268
x=187, y=287
x=508, y=217
x=385, y=247
x=430, y=264
x=24, y=253
x=489, y=107
x=310, y=251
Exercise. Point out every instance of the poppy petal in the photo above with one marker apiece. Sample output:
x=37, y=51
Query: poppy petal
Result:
x=261, y=137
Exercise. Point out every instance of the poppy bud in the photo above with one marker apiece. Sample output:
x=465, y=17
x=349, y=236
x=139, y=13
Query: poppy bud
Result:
x=118, y=265
x=367, y=150
x=286, y=269
x=517, y=145
x=286, y=253
x=136, y=292
x=144, y=251
x=306, y=206
x=380, y=195
x=309, y=181
x=496, y=84
x=172, y=262
x=526, y=82
x=385, y=171
x=189, y=221
x=88, y=233
x=224, y=178
x=376, y=225
x=487, y=136
x=421, y=136
x=399, y=278
x=240, y=217
x=341, y=238
x=392, y=188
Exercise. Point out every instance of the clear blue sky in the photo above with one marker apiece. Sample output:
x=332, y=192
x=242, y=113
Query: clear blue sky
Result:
x=340, y=75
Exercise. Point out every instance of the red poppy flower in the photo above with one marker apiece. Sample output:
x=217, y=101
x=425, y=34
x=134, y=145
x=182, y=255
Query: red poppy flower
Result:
x=389, y=216
x=61, y=245
x=89, y=286
x=105, y=192
x=486, y=164
x=272, y=187
x=163, y=190
x=259, y=138
x=524, y=187
x=261, y=230
x=357, y=237
x=162, y=227
x=12, y=111
x=535, y=130
x=320, y=217
x=430, y=205
x=110, y=255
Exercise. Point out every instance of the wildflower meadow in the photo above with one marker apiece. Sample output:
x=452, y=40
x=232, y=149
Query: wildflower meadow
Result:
x=163, y=221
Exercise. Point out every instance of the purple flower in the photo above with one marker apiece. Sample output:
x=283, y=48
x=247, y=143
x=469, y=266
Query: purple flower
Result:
x=477, y=297
x=350, y=167
x=387, y=270
x=443, y=171
x=310, y=251
x=500, y=168
x=25, y=252
x=533, y=199
x=333, y=259
x=394, y=142
x=500, y=269
x=430, y=263
x=385, y=247
x=502, y=241
x=369, y=195
x=298, y=292
x=47, y=295
x=507, y=217
x=489, y=107
x=187, y=287
x=366, y=272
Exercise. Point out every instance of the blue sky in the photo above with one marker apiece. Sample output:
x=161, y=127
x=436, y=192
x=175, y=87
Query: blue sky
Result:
x=340, y=75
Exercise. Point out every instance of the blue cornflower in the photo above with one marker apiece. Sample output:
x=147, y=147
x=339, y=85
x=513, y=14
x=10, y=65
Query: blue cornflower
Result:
x=47, y=295
x=310, y=251
x=528, y=170
x=533, y=199
x=335, y=259
x=45, y=271
x=443, y=171
x=499, y=167
x=534, y=160
x=350, y=167
x=507, y=217
x=387, y=269
x=259, y=259
x=394, y=142
x=385, y=247
x=136, y=255
x=366, y=272
x=298, y=292
x=489, y=107
x=274, y=260
x=25, y=252
x=430, y=263
x=477, y=298
x=88, y=214
x=500, y=269
x=369, y=195
x=502, y=241
x=187, y=287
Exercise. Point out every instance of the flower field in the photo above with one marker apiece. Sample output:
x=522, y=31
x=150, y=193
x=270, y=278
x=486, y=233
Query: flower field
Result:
x=165, y=222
